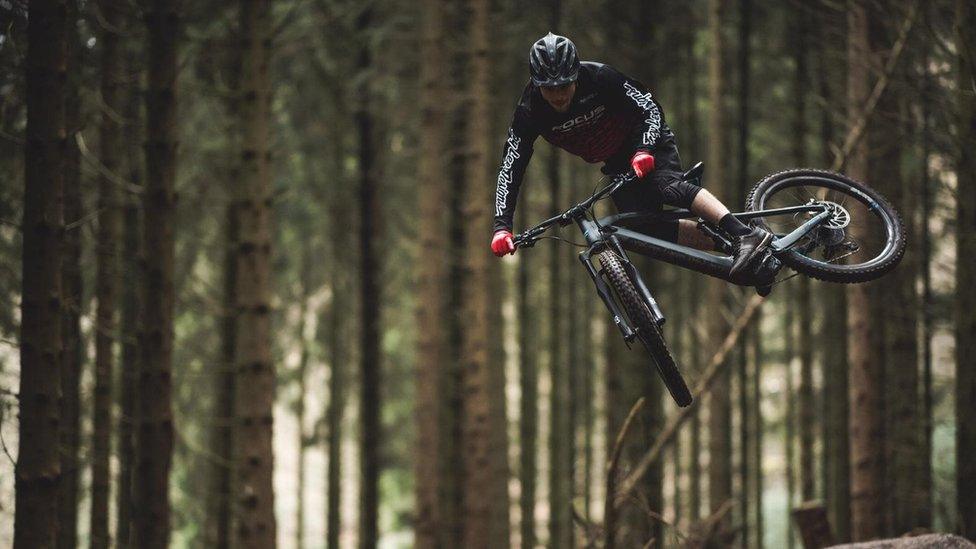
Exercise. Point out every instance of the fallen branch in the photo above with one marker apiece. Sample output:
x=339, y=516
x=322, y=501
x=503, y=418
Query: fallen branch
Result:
x=708, y=527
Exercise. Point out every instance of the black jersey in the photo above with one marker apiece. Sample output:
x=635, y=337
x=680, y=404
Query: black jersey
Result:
x=610, y=116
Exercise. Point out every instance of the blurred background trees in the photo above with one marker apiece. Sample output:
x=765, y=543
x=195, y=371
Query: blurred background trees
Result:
x=249, y=300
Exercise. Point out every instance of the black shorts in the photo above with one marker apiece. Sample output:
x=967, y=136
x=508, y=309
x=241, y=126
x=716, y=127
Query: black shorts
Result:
x=662, y=186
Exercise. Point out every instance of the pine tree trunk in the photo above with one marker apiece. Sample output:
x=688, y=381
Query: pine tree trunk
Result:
x=903, y=421
x=745, y=423
x=719, y=411
x=254, y=397
x=436, y=484
x=572, y=336
x=529, y=383
x=220, y=515
x=757, y=418
x=38, y=469
x=219, y=526
x=370, y=298
x=836, y=455
x=966, y=272
x=154, y=435
x=560, y=519
x=866, y=403
x=302, y=375
x=106, y=282
x=925, y=244
x=131, y=316
x=587, y=391
x=485, y=477
x=805, y=405
x=789, y=344
x=338, y=361
x=693, y=133
x=72, y=287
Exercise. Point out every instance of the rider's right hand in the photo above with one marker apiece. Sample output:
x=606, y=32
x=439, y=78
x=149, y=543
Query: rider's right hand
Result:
x=502, y=243
x=642, y=163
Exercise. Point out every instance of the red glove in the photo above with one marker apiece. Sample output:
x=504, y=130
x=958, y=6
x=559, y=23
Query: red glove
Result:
x=502, y=244
x=642, y=162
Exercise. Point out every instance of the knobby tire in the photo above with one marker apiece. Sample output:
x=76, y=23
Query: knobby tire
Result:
x=647, y=330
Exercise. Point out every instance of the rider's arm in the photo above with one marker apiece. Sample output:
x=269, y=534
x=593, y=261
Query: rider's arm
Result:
x=515, y=157
x=630, y=96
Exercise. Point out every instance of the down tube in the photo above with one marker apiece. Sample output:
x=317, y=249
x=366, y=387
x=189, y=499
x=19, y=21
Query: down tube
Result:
x=675, y=254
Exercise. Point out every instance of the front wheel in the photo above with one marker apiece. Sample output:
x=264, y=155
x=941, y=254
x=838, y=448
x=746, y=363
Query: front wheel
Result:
x=647, y=330
x=862, y=239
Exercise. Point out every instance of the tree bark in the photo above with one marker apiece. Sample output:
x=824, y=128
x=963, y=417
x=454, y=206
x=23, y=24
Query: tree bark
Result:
x=903, y=422
x=758, y=425
x=220, y=516
x=925, y=260
x=38, y=469
x=836, y=454
x=966, y=271
x=106, y=282
x=789, y=343
x=528, y=405
x=338, y=362
x=485, y=477
x=302, y=375
x=805, y=405
x=254, y=398
x=866, y=412
x=560, y=518
x=154, y=436
x=73, y=296
x=131, y=315
x=437, y=488
x=719, y=411
x=745, y=422
x=370, y=297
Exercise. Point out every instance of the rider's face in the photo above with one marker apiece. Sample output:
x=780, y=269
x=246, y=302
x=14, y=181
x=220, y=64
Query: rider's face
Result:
x=559, y=96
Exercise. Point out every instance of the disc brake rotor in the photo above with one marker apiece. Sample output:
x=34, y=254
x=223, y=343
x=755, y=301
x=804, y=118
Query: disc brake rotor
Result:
x=839, y=217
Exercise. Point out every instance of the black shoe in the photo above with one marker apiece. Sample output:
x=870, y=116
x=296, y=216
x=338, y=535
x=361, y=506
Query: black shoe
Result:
x=748, y=248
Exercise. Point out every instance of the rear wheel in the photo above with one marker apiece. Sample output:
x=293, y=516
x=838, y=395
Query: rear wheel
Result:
x=861, y=240
x=647, y=330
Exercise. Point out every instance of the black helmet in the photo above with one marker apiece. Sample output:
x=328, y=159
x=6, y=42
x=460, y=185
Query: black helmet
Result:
x=553, y=61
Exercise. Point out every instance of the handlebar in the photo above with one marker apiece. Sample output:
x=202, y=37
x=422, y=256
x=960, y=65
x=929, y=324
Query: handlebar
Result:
x=528, y=237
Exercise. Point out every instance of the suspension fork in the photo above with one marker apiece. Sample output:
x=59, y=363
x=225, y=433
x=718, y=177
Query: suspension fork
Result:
x=603, y=289
x=638, y=280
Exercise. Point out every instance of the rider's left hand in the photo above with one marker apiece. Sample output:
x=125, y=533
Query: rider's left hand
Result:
x=643, y=163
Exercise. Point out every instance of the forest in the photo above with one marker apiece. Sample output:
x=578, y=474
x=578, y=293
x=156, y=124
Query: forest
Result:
x=248, y=297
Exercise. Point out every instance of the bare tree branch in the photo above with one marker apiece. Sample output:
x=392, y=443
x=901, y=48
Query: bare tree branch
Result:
x=704, y=384
x=857, y=129
x=609, y=512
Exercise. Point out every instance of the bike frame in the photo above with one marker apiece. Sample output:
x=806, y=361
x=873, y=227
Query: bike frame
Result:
x=604, y=233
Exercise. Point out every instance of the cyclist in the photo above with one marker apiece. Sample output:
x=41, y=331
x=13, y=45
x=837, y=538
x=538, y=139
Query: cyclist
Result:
x=595, y=112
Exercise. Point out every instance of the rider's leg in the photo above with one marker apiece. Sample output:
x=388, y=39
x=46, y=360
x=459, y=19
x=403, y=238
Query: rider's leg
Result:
x=748, y=242
x=711, y=209
x=689, y=235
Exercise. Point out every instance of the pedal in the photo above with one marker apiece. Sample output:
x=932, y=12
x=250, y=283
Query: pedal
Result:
x=765, y=272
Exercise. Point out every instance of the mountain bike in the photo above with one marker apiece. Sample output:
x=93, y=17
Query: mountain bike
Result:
x=825, y=225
